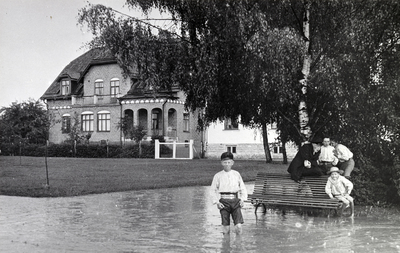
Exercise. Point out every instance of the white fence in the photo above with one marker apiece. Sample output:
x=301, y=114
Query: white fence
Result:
x=180, y=150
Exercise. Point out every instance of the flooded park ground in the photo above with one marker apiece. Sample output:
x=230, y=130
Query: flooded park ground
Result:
x=179, y=220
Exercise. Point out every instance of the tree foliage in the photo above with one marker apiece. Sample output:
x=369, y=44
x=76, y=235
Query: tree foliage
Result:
x=244, y=58
x=26, y=122
x=136, y=133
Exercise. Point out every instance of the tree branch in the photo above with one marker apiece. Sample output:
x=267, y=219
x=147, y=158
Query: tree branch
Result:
x=151, y=25
x=290, y=121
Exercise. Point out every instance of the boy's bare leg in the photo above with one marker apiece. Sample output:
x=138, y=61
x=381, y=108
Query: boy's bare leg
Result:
x=238, y=228
x=226, y=230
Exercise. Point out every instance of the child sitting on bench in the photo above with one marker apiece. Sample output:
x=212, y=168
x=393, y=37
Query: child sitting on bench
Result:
x=339, y=187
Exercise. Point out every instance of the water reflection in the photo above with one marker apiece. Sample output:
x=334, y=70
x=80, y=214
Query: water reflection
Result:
x=177, y=220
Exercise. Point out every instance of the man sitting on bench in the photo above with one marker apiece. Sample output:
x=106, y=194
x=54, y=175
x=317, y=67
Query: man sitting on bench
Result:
x=305, y=163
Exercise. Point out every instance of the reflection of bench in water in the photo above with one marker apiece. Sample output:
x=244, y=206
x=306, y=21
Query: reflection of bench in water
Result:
x=280, y=190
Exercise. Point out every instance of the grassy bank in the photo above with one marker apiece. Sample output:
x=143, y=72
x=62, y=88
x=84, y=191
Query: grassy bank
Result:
x=81, y=176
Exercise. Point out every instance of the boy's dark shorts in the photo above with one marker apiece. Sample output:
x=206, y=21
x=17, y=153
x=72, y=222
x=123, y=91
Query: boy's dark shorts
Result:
x=231, y=207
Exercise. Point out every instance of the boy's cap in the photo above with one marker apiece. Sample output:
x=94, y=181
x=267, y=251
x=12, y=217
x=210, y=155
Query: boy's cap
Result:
x=335, y=169
x=227, y=156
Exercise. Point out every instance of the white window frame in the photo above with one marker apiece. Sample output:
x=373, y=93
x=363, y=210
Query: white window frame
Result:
x=87, y=121
x=186, y=122
x=228, y=125
x=278, y=148
x=65, y=87
x=66, y=123
x=114, y=87
x=231, y=148
x=99, y=87
x=103, y=121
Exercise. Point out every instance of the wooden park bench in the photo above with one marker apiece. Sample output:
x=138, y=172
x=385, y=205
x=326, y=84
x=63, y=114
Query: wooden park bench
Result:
x=278, y=190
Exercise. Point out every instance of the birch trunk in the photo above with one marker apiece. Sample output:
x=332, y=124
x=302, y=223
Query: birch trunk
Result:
x=268, y=157
x=303, y=114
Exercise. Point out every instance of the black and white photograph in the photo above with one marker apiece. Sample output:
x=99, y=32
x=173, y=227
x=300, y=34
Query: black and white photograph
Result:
x=199, y=126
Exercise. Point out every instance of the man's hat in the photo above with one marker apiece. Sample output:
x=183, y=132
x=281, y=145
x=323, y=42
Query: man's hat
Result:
x=335, y=169
x=227, y=156
x=317, y=140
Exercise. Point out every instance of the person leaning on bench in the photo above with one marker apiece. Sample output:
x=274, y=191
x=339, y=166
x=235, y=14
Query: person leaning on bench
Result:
x=305, y=163
x=229, y=193
x=345, y=156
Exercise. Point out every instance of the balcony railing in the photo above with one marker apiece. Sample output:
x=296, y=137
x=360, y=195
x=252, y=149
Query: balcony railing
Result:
x=93, y=100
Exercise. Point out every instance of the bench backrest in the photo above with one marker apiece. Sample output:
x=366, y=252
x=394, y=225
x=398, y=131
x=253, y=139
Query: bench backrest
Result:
x=282, y=184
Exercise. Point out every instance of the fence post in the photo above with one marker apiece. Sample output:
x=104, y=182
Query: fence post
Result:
x=174, y=150
x=191, y=149
x=47, y=169
x=156, y=149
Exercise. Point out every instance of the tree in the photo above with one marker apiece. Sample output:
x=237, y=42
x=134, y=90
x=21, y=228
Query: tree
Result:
x=220, y=56
x=136, y=133
x=75, y=134
x=25, y=122
x=348, y=67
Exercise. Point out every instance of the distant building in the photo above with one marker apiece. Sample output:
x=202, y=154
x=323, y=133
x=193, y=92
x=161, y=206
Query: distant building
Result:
x=243, y=142
x=94, y=89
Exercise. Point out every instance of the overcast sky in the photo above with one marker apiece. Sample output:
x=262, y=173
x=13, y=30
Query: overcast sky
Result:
x=38, y=38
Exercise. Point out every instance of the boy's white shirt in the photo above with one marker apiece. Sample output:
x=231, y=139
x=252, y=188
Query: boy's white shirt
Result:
x=343, y=153
x=230, y=181
x=341, y=186
x=327, y=155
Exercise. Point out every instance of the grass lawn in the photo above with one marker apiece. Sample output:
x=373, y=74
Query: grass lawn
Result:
x=80, y=176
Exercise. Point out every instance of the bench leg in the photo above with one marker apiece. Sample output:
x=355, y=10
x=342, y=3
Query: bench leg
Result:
x=265, y=208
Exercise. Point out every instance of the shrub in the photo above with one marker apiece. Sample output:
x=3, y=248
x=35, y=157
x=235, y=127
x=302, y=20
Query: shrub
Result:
x=82, y=150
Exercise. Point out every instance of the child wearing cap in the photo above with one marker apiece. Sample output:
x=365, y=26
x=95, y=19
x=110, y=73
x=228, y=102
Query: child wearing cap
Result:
x=339, y=187
x=229, y=193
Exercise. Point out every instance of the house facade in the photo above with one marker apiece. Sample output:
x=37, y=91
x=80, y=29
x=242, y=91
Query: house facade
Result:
x=243, y=142
x=93, y=90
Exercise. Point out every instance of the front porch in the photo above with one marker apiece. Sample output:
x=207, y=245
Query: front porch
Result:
x=157, y=118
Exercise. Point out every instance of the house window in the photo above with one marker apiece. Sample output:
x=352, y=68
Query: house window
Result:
x=104, y=121
x=230, y=124
x=231, y=149
x=65, y=87
x=98, y=87
x=87, y=121
x=186, y=122
x=114, y=84
x=273, y=126
x=154, y=119
x=278, y=149
x=66, y=123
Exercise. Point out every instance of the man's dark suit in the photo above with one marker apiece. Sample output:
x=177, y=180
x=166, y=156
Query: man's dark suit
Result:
x=296, y=167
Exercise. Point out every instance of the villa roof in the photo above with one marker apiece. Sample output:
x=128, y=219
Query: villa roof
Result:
x=76, y=69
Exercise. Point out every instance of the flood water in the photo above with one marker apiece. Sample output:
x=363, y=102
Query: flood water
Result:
x=177, y=220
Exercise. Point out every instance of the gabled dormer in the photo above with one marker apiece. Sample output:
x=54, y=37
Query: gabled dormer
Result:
x=70, y=81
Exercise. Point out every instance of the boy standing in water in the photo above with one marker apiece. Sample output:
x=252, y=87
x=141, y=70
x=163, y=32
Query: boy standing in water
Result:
x=229, y=193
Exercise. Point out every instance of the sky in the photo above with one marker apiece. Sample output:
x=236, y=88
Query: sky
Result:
x=38, y=38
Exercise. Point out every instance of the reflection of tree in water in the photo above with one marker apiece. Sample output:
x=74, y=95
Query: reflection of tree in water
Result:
x=162, y=212
x=137, y=221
